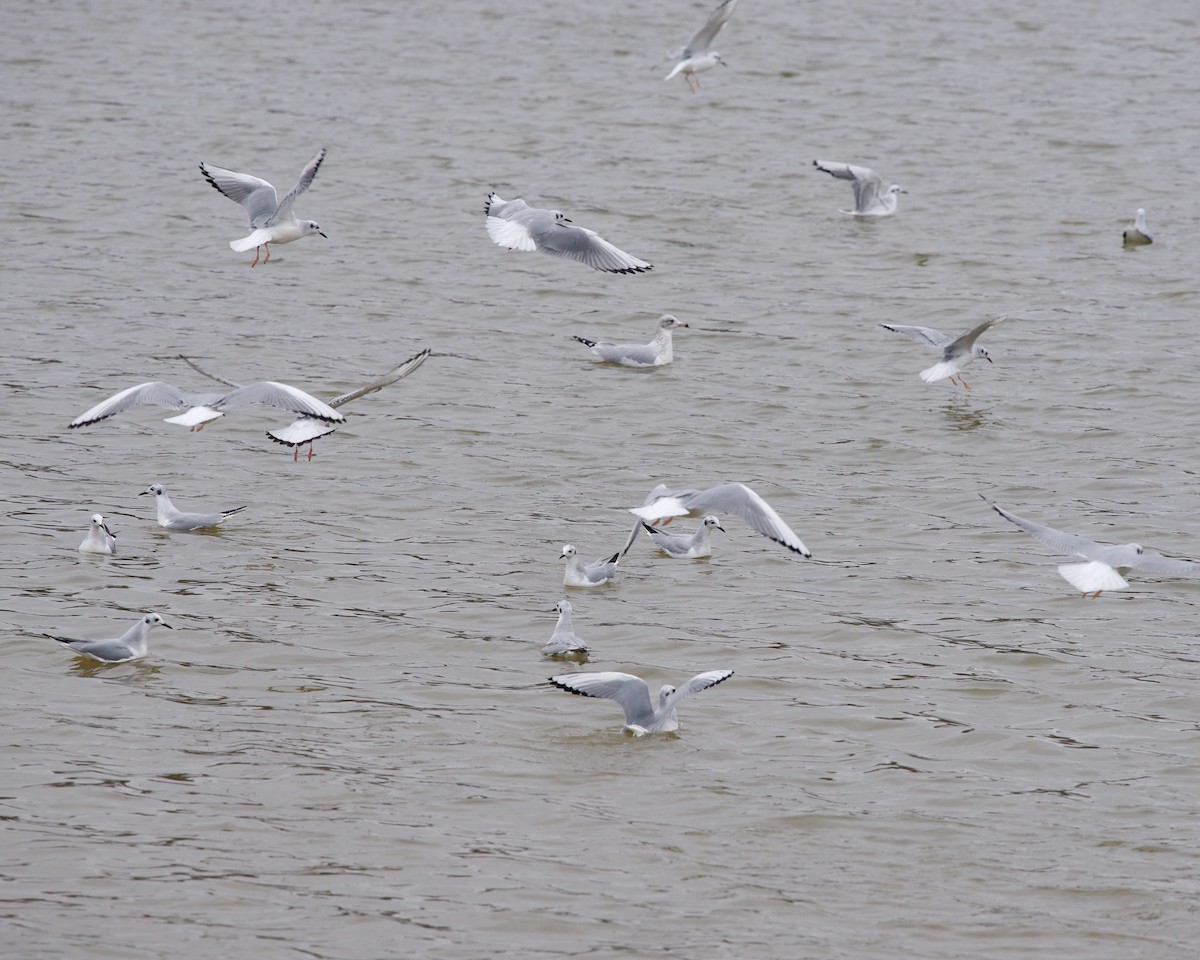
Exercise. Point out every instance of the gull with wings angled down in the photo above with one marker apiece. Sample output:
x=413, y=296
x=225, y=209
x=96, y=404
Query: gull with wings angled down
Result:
x=641, y=716
x=957, y=352
x=870, y=199
x=696, y=56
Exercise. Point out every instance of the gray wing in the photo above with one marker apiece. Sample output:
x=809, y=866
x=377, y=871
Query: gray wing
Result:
x=669, y=541
x=396, y=373
x=112, y=651
x=195, y=521
x=157, y=392
x=703, y=38
x=255, y=195
x=631, y=353
x=273, y=394
x=935, y=338
x=629, y=691
x=1067, y=543
x=284, y=210
x=1151, y=562
x=659, y=491
x=741, y=501
x=701, y=681
x=578, y=243
x=866, y=182
x=965, y=341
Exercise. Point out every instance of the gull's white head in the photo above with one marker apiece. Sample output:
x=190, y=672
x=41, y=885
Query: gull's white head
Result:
x=563, y=606
x=154, y=620
x=568, y=550
x=155, y=488
x=664, y=693
x=668, y=322
x=978, y=351
x=710, y=521
x=98, y=521
x=310, y=227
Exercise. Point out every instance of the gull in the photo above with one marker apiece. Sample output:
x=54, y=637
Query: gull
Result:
x=656, y=353
x=1105, y=561
x=99, y=538
x=957, y=352
x=580, y=574
x=516, y=225
x=174, y=519
x=634, y=696
x=662, y=503
x=870, y=199
x=271, y=219
x=564, y=642
x=1135, y=234
x=128, y=646
x=686, y=548
x=696, y=57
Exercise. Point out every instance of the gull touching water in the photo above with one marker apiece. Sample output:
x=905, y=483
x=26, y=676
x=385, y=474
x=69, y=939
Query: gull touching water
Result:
x=696, y=57
x=174, y=519
x=1135, y=234
x=271, y=219
x=656, y=353
x=957, y=352
x=130, y=645
x=1104, y=561
x=641, y=717
x=516, y=225
x=870, y=199
x=563, y=642
x=580, y=574
x=99, y=538
x=699, y=544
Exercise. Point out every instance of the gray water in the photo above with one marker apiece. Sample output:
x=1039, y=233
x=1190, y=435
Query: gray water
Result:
x=931, y=748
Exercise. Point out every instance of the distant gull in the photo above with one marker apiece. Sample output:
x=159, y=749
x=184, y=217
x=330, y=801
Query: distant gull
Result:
x=656, y=353
x=634, y=696
x=696, y=57
x=957, y=352
x=870, y=199
x=564, y=642
x=516, y=225
x=129, y=646
x=1104, y=560
x=699, y=544
x=1135, y=234
x=99, y=538
x=662, y=503
x=174, y=519
x=271, y=219
x=580, y=574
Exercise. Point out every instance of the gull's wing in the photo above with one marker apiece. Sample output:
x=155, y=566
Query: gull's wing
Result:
x=935, y=338
x=866, y=182
x=510, y=229
x=634, y=354
x=701, y=681
x=629, y=691
x=741, y=501
x=111, y=651
x=284, y=210
x=255, y=195
x=670, y=542
x=396, y=373
x=204, y=373
x=1151, y=562
x=587, y=246
x=157, y=392
x=702, y=39
x=1067, y=543
x=497, y=206
x=965, y=341
x=274, y=394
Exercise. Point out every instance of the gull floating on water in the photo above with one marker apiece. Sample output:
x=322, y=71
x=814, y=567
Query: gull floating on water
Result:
x=662, y=503
x=633, y=695
x=580, y=574
x=957, y=352
x=696, y=57
x=699, y=544
x=1135, y=234
x=516, y=225
x=870, y=199
x=1105, y=561
x=271, y=219
x=174, y=519
x=99, y=538
x=129, y=646
x=564, y=642
x=656, y=353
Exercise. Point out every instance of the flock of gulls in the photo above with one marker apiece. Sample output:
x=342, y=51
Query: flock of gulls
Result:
x=515, y=225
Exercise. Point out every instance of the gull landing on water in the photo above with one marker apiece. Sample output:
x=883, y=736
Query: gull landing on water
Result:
x=641, y=717
x=173, y=519
x=580, y=574
x=656, y=353
x=957, y=352
x=870, y=199
x=271, y=219
x=131, y=645
x=696, y=57
x=99, y=538
x=1135, y=234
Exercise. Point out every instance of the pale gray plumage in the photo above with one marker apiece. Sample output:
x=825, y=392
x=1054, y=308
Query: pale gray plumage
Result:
x=1136, y=234
x=697, y=56
x=129, y=646
x=564, y=642
x=631, y=692
x=175, y=519
x=100, y=539
x=656, y=353
x=957, y=352
x=695, y=546
x=580, y=574
x=870, y=199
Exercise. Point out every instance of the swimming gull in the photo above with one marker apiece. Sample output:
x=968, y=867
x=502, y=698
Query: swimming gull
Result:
x=129, y=646
x=580, y=574
x=99, y=538
x=1104, y=561
x=696, y=57
x=699, y=544
x=271, y=219
x=1135, y=234
x=563, y=642
x=516, y=225
x=957, y=352
x=656, y=353
x=173, y=519
x=631, y=692
x=870, y=199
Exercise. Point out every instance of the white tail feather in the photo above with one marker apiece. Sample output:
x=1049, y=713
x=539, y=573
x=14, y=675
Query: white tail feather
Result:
x=1092, y=576
x=256, y=239
x=940, y=371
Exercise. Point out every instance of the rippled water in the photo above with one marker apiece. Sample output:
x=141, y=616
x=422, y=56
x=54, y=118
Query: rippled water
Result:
x=346, y=749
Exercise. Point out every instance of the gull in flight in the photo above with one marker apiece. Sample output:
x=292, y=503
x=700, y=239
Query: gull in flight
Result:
x=99, y=538
x=664, y=504
x=641, y=717
x=957, y=352
x=516, y=225
x=696, y=57
x=580, y=574
x=870, y=199
x=174, y=519
x=271, y=219
x=131, y=645
x=699, y=544
x=653, y=354
x=1135, y=234
x=1104, y=561
x=563, y=642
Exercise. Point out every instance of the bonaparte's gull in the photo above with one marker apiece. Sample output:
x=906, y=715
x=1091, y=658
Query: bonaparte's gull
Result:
x=271, y=219
x=699, y=544
x=1104, y=560
x=662, y=503
x=1135, y=234
x=580, y=574
x=129, y=646
x=564, y=642
x=653, y=354
x=870, y=199
x=174, y=519
x=957, y=352
x=99, y=538
x=696, y=57
x=516, y=225
x=633, y=695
